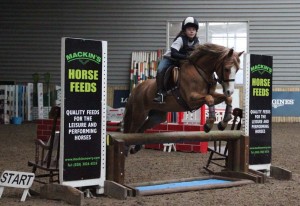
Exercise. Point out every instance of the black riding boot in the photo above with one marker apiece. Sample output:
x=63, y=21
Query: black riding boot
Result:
x=160, y=96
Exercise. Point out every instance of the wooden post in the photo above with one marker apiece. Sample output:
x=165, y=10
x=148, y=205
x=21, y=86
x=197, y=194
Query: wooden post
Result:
x=236, y=157
x=238, y=154
x=244, y=153
x=110, y=162
x=230, y=156
x=119, y=161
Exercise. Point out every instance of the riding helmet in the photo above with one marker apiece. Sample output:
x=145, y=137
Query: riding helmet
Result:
x=190, y=22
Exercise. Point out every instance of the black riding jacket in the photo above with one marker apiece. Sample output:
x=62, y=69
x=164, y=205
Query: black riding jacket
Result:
x=186, y=48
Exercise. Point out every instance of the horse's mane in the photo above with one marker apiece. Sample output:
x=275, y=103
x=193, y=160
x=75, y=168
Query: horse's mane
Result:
x=213, y=50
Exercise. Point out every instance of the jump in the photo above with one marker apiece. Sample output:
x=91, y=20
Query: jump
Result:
x=188, y=87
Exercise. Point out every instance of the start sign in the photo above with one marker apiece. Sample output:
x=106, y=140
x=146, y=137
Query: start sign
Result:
x=16, y=179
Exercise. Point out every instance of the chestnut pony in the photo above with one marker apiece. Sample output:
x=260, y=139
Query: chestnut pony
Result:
x=189, y=87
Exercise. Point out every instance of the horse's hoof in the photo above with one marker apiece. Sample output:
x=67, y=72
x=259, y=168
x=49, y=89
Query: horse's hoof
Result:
x=127, y=148
x=132, y=151
x=220, y=126
x=135, y=149
x=206, y=128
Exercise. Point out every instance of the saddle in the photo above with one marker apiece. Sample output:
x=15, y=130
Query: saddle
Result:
x=172, y=85
x=171, y=78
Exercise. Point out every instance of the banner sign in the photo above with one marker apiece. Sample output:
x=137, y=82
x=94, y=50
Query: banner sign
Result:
x=83, y=123
x=120, y=98
x=286, y=104
x=258, y=107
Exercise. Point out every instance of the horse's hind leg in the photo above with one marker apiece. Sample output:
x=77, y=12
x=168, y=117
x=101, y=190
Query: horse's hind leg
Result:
x=154, y=118
x=132, y=121
x=128, y=115
x=126, y=122
x=137, y=119
x=133, y=118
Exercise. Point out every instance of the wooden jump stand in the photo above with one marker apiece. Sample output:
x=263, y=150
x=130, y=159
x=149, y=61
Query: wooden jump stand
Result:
x=47, y=154
x=238, y=154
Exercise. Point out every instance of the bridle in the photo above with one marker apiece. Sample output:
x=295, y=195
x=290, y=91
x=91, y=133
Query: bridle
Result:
x=222, y=80
x=213, y=79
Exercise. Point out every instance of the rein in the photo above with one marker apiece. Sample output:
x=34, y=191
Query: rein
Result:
x=204, y=76
x=214, y=78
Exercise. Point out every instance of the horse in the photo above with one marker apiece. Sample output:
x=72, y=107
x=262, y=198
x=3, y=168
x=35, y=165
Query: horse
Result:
x=188, y=88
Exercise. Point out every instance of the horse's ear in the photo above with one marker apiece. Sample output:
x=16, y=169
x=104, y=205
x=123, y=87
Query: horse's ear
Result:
x=230, y=52
x=240, y=53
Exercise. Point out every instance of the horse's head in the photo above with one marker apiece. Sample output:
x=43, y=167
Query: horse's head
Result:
x=228, y=65
x=214, y=58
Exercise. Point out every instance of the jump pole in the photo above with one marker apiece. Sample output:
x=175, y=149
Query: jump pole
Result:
x=238, y=150
x=182, y=124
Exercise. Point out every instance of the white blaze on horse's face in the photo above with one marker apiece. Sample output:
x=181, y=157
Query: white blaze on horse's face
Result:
x=228, y=86
x=229, y=73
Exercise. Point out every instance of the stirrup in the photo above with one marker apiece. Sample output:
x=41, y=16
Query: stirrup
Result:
x=159, y=98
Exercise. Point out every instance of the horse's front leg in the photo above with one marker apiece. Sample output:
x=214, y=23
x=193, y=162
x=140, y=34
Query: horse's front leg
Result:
x=218, y=98
x=227, y=115
x=211, y=113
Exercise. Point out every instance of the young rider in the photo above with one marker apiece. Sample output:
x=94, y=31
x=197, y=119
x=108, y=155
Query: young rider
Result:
x=182, y=45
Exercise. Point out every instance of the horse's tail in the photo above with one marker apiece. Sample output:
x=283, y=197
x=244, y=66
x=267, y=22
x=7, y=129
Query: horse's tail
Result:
x=126, y=122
